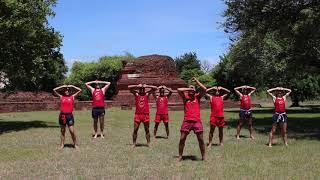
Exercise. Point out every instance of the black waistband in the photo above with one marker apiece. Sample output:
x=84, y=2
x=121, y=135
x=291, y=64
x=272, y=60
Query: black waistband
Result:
x=98, y=107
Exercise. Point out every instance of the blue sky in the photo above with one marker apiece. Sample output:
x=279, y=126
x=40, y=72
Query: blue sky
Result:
x=95, y=28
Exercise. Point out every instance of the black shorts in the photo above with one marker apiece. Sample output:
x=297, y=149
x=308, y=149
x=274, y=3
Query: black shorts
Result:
x=97, y=112
x=66, y=119
x=279, y=118
x=245, y=114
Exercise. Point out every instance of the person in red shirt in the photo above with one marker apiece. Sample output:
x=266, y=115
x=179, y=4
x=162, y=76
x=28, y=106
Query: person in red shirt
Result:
x=279, y=117
x=66, y=109
x=98, y=104
x=192, y=119
x=245, y=108
x=217, y=114
x=142, y=109
x=162, y=109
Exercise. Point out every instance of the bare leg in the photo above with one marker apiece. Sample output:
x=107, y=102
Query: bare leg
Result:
x=212, y=128
x=250, y=127
x=155, y=129
x=273, y=130
x=183, y=138
x=62, y=136
x=221, y=136
x=95, y=127
x=240, y=124
x=284, y=134
x=146, y=129
x=166, y=125
x=73, y=136
x=201, y=145
x=101, y=119
x=135, y=133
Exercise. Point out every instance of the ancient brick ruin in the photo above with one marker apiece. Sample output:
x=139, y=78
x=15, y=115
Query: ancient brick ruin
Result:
x=153, y=70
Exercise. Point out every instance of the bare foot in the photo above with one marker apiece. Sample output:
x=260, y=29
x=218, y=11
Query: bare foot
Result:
x=251, y=137
x=95, y=136
x=221, y=144
x=134, y=145
x=287, y=144
x=203, y=158
x=61, y=147
x=102, y=136
x=179, y=159
x=270, y=145
x=238, y=137
x=76, y=147
x=148, y=144
x=209, y=145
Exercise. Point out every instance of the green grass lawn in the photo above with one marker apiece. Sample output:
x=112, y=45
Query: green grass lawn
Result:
x=29, y=143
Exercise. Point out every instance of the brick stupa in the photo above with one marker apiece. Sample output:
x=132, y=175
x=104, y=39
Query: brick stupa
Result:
x=153, y=70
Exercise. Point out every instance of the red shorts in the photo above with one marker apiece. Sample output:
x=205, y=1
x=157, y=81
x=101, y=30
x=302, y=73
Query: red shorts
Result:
x=161, y=117
x=217, y=121
x=141, y=118
x=194, y=126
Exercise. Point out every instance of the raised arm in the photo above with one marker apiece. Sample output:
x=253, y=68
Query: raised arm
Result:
x=253, y=89
x=181, y=92
x=212, y=88
x=224, y=89
x=237, y=90
x=152, y=89
x=76, y=88
x=106, y=85
x=88, y=85
x=199, y=84
x=287, y=90
x=170, y=91
x=55, y=90
x=270, y=92
x=133, y=88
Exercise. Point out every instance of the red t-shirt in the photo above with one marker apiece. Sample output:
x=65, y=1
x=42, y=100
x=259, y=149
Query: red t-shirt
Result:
x=245, y=102
x=162, y=105
x=142, y=104
x=217, y=106
x=192, y=109
x=280, y=105
x=66, y=104
x=98, y=98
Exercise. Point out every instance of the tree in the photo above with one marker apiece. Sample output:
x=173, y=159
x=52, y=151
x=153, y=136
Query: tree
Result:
x=188, y=65
x=187, y=61
x=278, y=41
x=107, y=68
x=30, y=49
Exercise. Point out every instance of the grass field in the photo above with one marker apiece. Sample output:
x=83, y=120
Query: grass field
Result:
x=29, y=143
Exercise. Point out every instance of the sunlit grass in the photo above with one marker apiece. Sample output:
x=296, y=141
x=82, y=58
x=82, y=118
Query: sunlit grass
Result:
x=29, y=143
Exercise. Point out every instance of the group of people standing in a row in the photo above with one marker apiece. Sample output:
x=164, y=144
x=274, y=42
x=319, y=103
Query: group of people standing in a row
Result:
x=192, y=118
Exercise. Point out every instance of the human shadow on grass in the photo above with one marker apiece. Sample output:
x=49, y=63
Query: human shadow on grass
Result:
x=189, y=157
x=9, y=126
x=161, y=137
x=141, y=145
x=69, y=146
x=298, y=128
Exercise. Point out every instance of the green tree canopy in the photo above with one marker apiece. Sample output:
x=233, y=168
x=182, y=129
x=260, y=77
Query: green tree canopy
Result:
x=187, y=61
x=29, y=48
x=188, y=65
x=107, y=68
x=275, y=43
